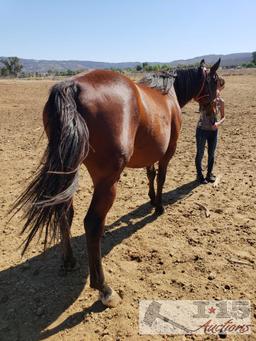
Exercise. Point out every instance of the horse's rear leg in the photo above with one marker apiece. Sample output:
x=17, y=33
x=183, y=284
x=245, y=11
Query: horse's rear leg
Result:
x=69, y=260
x=151, y=174
x=103, y=198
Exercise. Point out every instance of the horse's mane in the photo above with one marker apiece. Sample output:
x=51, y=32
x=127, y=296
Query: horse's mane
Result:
x=162, y=81
x=187, y=84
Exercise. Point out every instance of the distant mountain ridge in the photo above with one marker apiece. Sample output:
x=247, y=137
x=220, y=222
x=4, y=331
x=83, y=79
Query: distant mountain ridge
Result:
x=232, y=59
x=42, y=66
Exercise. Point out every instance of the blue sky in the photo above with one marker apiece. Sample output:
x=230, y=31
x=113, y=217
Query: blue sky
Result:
x=134, y=30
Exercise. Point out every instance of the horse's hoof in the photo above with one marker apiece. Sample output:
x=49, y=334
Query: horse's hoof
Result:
x=152, y=202
x=159, y=210
x=68, y=266
x=62, y=271
x=152, y=198
x=110, y=300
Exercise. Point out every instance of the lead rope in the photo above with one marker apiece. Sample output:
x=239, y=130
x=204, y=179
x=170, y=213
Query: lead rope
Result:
x=219, y=135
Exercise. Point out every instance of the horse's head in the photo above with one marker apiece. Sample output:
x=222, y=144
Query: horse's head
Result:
x=210, y=83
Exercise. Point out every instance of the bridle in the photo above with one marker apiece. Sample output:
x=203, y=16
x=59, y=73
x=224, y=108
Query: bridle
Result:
x=206, y=79
x=199, y=95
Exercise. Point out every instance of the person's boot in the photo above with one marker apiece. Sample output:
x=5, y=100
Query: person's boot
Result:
x=200, y=178
x=210, y=177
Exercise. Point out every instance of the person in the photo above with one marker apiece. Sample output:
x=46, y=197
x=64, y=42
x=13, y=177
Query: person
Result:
x=207, y=131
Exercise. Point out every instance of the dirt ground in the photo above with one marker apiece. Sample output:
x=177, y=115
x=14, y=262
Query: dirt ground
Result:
x=180, y=255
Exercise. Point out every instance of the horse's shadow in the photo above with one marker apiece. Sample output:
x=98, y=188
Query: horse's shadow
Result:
x=33, y=295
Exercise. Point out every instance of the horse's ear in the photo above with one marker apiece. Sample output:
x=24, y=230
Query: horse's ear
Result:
x=215, y=67
x=202, y=63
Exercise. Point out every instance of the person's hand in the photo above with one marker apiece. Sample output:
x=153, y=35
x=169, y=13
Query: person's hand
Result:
x=215, y=126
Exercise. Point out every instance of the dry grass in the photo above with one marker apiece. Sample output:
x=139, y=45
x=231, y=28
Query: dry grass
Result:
x=144, y=258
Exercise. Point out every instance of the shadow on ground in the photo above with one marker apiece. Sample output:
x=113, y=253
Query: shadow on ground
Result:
x=33, y=295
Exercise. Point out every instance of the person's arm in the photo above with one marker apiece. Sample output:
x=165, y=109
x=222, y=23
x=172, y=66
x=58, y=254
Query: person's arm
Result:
x=222, y=113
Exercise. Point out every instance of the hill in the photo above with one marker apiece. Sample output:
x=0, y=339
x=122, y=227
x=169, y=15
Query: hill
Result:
x=32, y=65
x=227, y=60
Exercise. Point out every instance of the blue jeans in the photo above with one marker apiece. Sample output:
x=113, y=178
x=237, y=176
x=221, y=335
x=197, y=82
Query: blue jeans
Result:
x=201, y=137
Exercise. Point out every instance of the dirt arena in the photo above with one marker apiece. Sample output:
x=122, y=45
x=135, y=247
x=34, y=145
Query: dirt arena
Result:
x=181, y=255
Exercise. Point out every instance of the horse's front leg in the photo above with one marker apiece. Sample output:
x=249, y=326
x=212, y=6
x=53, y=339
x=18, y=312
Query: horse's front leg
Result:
x=161, y=176
x=103, y=198
x=151, y=174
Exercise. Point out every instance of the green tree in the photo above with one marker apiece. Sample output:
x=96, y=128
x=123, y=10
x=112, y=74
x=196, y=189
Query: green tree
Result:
x=250, y=65
x=12, y=66
x=144, y=65
x=3, y=72
x=139, y=67
x=254, y=57
x=165, y=67
x=148, y=67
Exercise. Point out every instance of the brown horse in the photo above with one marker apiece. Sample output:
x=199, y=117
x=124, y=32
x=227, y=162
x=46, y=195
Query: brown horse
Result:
x=107, y=122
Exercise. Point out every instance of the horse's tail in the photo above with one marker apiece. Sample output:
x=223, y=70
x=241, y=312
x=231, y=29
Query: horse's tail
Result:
x=48, y=197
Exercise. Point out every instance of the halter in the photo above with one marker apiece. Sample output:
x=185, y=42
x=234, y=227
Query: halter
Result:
x=198, y=97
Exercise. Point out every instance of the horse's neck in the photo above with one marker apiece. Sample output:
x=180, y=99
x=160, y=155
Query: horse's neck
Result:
x=187, y=85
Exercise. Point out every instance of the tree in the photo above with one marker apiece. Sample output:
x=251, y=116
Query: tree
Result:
x=254, y=57
x=12, y=66
x=165, y=67
x=144, y=65
x=148, y=68
x=138, y=67
x=3, y=72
